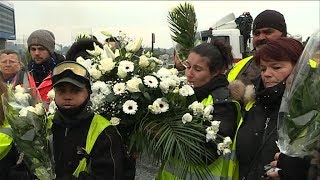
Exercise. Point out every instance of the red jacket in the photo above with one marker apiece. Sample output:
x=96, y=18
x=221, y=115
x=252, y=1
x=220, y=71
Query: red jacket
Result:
x=43, y=88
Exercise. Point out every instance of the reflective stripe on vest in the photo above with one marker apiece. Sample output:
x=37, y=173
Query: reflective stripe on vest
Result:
x=222, y=168
x=237, y=68
x=5, y=141
x=97, y=125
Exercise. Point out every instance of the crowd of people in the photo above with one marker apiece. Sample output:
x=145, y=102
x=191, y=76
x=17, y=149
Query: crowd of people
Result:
x=246, y=99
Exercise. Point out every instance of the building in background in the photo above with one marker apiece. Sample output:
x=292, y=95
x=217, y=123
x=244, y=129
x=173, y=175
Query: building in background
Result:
x=7, y=23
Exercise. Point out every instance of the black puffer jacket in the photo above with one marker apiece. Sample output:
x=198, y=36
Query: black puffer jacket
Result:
x=224, y=109
x=106, y=155
x=256, y=139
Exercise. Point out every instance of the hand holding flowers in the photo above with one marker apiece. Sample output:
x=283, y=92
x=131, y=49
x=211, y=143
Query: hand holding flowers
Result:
x=27, y=118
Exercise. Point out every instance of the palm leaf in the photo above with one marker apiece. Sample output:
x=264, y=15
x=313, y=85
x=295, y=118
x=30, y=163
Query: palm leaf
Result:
x=183, y=26
x=169, y=139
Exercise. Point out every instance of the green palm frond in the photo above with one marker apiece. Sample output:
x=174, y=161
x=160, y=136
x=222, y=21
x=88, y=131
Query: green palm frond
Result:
x=169, y=139
x=183, y=26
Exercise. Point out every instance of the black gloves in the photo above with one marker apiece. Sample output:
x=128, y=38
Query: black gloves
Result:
x=292, y=168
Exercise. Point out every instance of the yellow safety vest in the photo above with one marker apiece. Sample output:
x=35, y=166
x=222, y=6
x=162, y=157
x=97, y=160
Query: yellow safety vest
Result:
x=225, y=167
x=237, y=68
x=6, y=139
x=98, y=124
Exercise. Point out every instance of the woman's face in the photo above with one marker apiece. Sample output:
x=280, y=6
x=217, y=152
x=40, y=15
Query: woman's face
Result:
x=273, y=72
x=197, y=70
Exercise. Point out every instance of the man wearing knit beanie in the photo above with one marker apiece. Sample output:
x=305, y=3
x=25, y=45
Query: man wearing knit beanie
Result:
x=41, y=45
x=268, y=25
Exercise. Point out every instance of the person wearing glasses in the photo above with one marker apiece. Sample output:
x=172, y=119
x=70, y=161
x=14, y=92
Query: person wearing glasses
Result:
x=41, y=45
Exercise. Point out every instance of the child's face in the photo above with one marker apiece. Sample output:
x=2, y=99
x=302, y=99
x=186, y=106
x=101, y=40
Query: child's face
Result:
x=69, y=96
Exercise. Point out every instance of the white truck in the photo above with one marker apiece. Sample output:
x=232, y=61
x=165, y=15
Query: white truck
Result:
x=226, y=30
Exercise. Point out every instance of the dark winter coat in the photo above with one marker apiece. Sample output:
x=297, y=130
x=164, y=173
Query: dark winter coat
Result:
x=256, y=138
x=106, y=156
x=224, y=109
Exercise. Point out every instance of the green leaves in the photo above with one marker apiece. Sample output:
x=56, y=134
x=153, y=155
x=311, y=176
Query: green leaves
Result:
x=183, y=25
x=169, y=139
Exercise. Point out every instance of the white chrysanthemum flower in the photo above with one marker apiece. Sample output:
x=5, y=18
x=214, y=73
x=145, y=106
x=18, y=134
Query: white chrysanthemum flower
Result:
x=186, y=118
x=150, y=81
x=163, y=73
x=133, y=84
x=95, y=73
x=211, y=135
x=100, y=87
x=215, y=124
x=226, y=151
x=143, y=61
x=227, y=141
x=121, y=72
x=130, y=107
x=221, y=147
x=51, y=94
x=87, y=63
x=106, y=65
x=197, y=108
x=128, y=66
x=166, y=84
x=114, y=121
x=39, y=110
x=186, y=90
x=119, y=88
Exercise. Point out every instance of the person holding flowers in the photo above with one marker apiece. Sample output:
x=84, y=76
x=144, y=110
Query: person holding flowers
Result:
x=257, y=135
x=299, y=117
x=205, y=71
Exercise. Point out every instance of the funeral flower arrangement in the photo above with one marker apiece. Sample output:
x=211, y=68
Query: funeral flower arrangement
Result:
x=27, y=117
x=299, y=117
x=154, y=109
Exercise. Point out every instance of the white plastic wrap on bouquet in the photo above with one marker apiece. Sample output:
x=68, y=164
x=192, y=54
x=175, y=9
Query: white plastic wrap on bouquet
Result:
x=299, y=117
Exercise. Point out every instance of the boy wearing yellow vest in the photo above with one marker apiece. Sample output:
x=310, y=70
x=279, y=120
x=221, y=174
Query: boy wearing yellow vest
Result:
x=86, y=145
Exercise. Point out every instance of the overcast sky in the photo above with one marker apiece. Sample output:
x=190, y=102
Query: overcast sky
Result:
x=141, y=18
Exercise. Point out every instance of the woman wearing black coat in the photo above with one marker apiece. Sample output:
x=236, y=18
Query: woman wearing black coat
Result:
x=257, y=135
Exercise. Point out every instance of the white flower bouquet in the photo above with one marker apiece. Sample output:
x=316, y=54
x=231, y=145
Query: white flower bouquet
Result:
x=299, y=117
x=25, y=113
x=155, y=109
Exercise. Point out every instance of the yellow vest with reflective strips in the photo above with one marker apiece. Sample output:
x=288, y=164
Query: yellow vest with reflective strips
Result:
x=225, y=167
x=98, y=124
x=237, y=68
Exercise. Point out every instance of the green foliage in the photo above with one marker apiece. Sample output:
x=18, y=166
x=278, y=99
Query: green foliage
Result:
x=183, y=25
